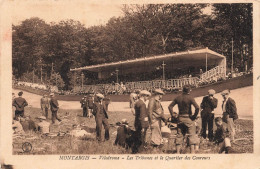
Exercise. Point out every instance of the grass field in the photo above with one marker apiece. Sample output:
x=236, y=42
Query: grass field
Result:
x=69, y=145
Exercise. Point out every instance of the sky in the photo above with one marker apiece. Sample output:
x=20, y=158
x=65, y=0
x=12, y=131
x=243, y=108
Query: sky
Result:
x=89, y=14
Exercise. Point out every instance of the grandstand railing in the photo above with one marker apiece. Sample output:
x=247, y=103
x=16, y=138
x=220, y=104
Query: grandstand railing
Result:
x=213, y=74
x=170, y=84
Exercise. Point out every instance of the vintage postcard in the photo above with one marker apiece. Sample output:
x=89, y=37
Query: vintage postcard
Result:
x=122, y=84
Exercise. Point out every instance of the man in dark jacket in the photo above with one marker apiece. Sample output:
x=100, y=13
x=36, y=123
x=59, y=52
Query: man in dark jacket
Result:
x=19, y=103
x=101, y=117
x=229, y=113
x=186, y=119
x=45, y=105
x=54, y=108
x=141, y=119
x=208, y=104
x=84, y=106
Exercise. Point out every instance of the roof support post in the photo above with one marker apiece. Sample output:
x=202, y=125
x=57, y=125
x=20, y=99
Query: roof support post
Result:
x=206, y=62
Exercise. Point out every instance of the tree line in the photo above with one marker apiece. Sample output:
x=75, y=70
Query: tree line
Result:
x=46, y=51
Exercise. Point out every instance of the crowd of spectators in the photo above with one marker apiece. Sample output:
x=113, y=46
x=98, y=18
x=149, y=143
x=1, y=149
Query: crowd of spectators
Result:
x=124, y=87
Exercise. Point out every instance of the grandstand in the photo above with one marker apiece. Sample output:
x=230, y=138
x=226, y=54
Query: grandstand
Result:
x=178, y=69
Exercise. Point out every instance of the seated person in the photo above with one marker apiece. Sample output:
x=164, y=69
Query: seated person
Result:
x=43, y=126
x=28, y=124
x=123, y=134
x=17, y=127
x=221, y=137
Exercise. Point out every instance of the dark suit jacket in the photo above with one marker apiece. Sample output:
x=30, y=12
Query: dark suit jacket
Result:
x=54, y=104
x=19, y=103
x=100, y=110
x=208, y=105
x=141, y=114
x=231, y=108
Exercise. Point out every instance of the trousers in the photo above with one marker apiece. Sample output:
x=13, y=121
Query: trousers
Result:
x=54, y=116
x=207, y=122
x=46, y=112
x=186, y=126
x=99, y=122
x=19, y=113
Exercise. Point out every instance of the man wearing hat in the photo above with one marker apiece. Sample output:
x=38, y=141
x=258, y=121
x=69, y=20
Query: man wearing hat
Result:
x=141, y=119
x=123, y=134
x=186, y=119
x=101, y=117
x=45, y=105
x=229, y=112
x=19, y=103
x=84, y=106
x=208, y=104
x=156, y=115
x=54, y=108
x=43, y=126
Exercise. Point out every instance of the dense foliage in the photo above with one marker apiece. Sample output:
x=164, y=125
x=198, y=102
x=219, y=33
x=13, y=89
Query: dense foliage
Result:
x=44, y=49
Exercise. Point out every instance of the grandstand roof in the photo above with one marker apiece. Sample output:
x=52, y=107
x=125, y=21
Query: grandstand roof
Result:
x=176, y=60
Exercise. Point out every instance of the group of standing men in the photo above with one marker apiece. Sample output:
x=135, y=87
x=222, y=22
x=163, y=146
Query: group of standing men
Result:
x=150, y=113
x=20, y=103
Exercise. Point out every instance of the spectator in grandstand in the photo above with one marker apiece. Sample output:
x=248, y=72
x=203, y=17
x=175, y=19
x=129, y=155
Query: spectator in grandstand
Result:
x=141, y=120
x=84, y=106
x=229, y=113
x=19, y=103
x=222, y=137
x=122, y=87
x=54, y=108
x=208, y=104
x=101, y=117
x=43, y=126
x=156, y=115
x=45, y=105
x=186, y=119
x=201, y=71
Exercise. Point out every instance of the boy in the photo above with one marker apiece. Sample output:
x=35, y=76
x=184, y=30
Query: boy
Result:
x=123, y=134
x=221, y=137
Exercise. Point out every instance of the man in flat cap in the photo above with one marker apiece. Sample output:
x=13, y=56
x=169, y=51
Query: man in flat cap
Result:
x=45, y=105
x=141, y=119
x=54, y=108
x=101, y=117
x=19, y=103
x=156, y=115
x=229, y=112
x=186, y=119
x=208, y=104
x=84, y=106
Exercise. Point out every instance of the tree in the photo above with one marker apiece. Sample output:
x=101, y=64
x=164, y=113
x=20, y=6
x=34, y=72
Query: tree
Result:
x=234, y=21
x=56, y=80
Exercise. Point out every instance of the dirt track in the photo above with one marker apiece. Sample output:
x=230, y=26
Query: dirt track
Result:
x=243, y=98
